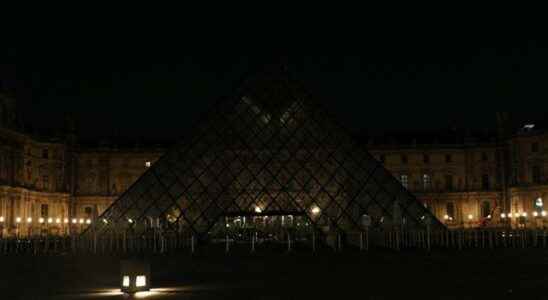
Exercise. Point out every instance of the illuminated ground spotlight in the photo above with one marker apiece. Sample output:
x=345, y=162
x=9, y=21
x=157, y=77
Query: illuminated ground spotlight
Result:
x=134, y=276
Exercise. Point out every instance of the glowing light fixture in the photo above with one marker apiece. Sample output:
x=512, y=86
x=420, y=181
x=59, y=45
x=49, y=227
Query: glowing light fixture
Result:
x=81, y=221
x=510, y=215
x=148, y=164
x=141, y=281
x=539, y=202
x=316, y=210
x=446, y=217
x=258, y=210
x=66, y=220
x=57, y=220
x=1, y=219
x=105, y=221
x=503, y=216
x=125, y=281
x=29, y=220
x=470, y=217
x=50, y=220
x=543, y=213
x=535, y=214
x=41, y=220
x=524, y=215
x=135, y=276
x=74, y=221
x=130, y=221
x=88, y=221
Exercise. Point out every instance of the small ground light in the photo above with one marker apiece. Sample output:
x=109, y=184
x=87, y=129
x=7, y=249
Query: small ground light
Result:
x=135, y=276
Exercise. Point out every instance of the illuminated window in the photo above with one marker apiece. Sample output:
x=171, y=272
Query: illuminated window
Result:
x=125, y=282
x=141, y=281
x=404, y=179
x=426, y=182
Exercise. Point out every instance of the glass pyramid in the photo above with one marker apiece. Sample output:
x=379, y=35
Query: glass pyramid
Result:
x=268, y=151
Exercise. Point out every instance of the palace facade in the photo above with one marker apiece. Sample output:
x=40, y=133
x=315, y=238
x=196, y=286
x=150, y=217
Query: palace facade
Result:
x=59, y=185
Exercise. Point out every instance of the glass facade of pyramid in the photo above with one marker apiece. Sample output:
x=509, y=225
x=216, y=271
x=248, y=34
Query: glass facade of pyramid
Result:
x=265, y=157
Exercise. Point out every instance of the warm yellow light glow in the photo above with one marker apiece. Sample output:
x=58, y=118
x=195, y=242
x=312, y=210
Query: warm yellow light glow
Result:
x=543, y=213
x=509, y=215
x=66, y=220
x=105, y=221
x=315, y=210
x=446, y=217
x=258, y=210
x=1, y=219
x=50, y=220
x=470, y=217
x=535, y=214
x=81, y=221
x=18, y=220
x=503, y=216
x=141, y=281
x=130, y=221
x=148, y=164
x=88, y=221
x=57, y=220
x=125, y=282
x=524, y=215
x=41, y=220
x=29, y=220
x=74, y=221
x=489, y=217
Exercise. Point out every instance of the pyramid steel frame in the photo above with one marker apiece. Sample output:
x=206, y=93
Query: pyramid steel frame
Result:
x=267, y=151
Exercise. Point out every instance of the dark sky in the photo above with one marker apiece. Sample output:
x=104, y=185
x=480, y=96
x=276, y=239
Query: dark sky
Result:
x=156, y=92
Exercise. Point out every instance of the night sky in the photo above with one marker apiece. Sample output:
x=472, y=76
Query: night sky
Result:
x=155, y=93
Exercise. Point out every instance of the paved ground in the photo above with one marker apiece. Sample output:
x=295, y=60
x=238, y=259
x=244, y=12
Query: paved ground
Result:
x=508, y=274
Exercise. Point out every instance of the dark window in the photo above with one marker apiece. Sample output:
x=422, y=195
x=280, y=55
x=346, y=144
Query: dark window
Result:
x=450, y=210
x=426, y=159
x=88, y=211
x=382, y=158
x=404, y=158
x=515, y=176
x=485, y=181
x=448, y=158
x=534, y=147
x=484, y=156
x=536, y=174
x=449, y=182
x=45, y=181
x=485, y=209
x=44, y=210
x=45, y=153
x=426, y=182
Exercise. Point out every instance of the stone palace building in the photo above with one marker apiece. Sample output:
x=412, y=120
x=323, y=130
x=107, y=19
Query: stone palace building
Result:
x=59, y=185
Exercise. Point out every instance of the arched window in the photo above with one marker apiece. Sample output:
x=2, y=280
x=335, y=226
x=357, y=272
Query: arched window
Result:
x=538, y=205
x=485, y=209
x=450, y=210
